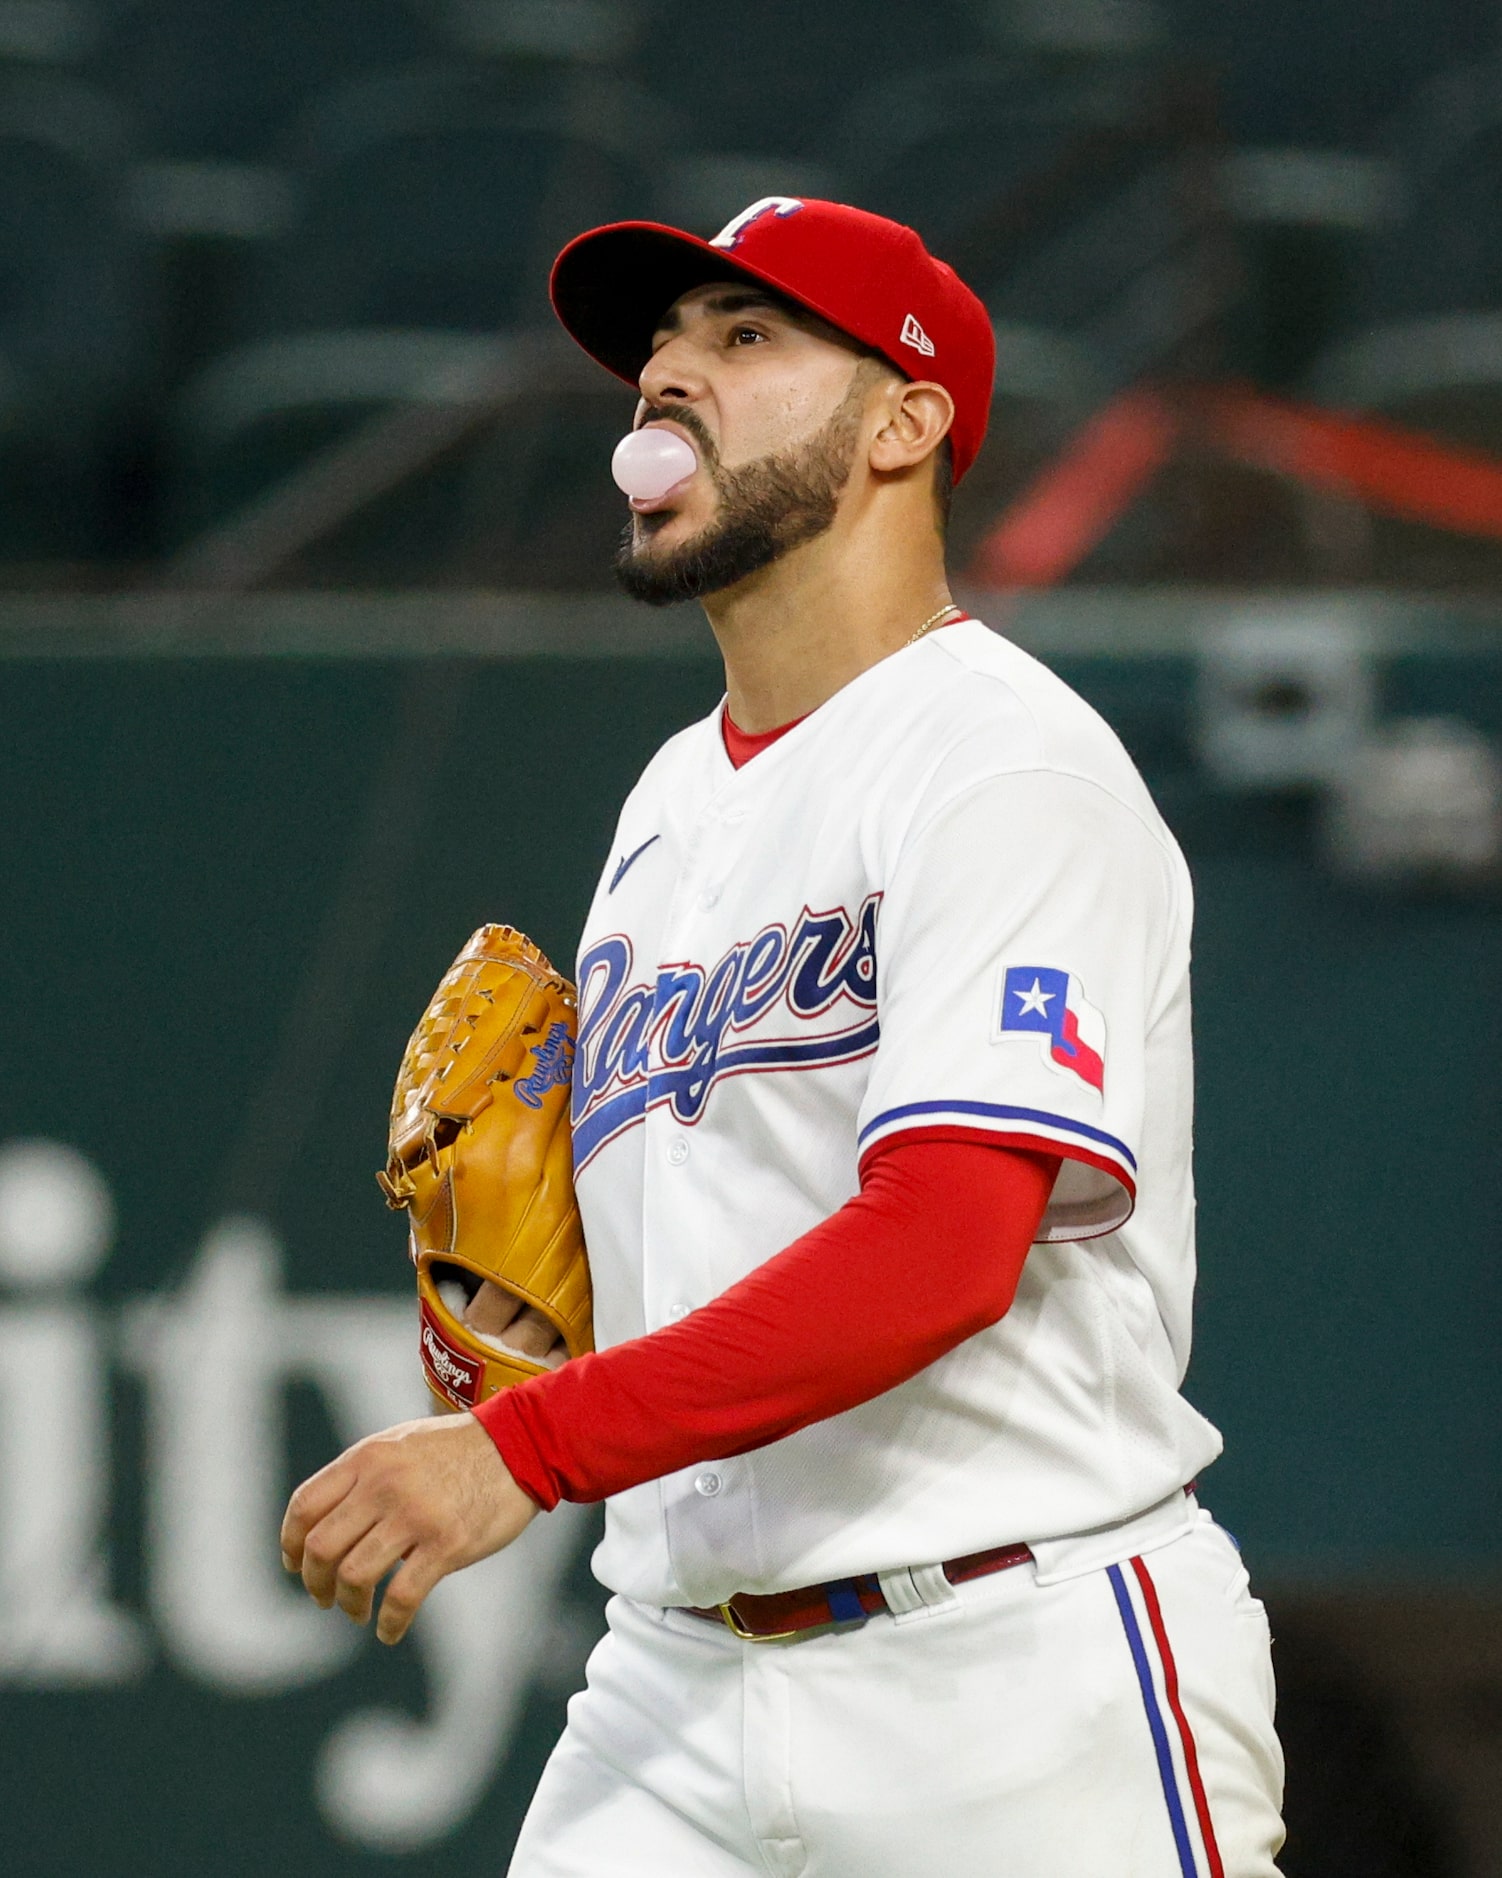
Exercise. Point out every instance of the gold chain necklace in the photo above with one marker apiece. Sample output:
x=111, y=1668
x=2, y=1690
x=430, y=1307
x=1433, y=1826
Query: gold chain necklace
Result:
x=929, y=624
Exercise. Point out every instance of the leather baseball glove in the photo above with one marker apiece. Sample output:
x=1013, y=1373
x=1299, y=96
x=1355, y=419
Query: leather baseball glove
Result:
x=481, y=1158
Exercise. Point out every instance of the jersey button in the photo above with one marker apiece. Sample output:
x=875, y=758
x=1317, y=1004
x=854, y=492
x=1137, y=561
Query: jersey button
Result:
x=677, y=1151
x=679, y=1311
x=708, y=1484
x=709, y=898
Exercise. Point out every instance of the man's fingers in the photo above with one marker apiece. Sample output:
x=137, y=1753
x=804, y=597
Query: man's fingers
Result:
x=331, y=1541
x=363, y=1567
x=404, y=1595
x=496, y=1313
x=491, y=1310
x=533, y=1334
x=314, y=1500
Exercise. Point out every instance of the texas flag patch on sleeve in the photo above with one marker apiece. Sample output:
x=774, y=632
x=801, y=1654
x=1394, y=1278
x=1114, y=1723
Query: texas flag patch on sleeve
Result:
x=1042, y=998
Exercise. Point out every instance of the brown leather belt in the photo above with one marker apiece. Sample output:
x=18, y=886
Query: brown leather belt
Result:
x=782, y=1614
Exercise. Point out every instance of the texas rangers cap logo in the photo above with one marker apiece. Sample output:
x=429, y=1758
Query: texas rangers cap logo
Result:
x=1042, y=998
x=780, y=206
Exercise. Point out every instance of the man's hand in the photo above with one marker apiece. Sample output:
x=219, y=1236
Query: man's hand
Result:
x=496, y=1313
x=429, y=1496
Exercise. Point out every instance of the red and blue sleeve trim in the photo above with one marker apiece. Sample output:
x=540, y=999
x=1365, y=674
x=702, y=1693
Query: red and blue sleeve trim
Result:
x=1005, y=1112
x=1072, y=1219
x=1072, y=1216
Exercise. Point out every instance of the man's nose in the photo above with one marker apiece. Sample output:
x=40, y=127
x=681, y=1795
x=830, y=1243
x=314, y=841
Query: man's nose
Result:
x=670, y=376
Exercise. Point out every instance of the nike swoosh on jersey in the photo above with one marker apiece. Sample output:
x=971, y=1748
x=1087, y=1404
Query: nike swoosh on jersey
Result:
x=623, y=865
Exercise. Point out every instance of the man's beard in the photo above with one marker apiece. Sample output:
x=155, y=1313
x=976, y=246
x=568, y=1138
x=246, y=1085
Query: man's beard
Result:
x=766, y=508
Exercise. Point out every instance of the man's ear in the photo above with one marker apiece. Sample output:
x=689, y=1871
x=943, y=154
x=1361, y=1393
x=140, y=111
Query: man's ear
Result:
x=918, y=419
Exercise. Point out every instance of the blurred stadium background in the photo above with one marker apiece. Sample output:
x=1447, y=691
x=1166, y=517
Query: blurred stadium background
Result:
x=310, y=661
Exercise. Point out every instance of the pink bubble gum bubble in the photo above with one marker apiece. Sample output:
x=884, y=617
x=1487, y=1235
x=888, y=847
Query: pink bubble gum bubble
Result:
x=648, y=463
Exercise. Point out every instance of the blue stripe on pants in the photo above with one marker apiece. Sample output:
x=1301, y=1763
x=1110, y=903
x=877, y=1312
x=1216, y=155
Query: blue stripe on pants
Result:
x=1155, y=1722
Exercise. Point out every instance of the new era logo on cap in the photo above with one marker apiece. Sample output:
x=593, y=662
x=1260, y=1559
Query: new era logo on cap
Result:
x=913, y=335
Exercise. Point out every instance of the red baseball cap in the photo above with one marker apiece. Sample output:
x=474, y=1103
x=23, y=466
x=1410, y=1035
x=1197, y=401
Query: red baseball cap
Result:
x=872, y=279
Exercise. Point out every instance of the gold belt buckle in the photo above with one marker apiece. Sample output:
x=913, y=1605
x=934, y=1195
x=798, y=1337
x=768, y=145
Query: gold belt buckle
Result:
x=737, y=1628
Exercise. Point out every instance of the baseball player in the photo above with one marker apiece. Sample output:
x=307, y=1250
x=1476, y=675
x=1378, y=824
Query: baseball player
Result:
x=881, y=1129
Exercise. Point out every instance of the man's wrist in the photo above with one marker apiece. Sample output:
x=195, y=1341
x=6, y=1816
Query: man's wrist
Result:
x=513, y=1443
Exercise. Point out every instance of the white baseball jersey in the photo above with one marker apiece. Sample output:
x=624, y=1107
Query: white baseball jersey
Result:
x=945, y=899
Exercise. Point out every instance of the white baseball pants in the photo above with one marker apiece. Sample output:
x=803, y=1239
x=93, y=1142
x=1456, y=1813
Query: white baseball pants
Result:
x=1113, y=1724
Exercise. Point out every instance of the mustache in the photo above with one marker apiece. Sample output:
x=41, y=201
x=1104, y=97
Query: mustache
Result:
x=766, y=509
x=688, y=419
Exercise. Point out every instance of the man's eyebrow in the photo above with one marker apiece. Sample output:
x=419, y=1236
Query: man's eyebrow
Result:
x=731, y=300
x=742, y=299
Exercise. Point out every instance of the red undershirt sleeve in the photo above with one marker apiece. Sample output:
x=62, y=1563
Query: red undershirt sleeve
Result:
x=927, y=1253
